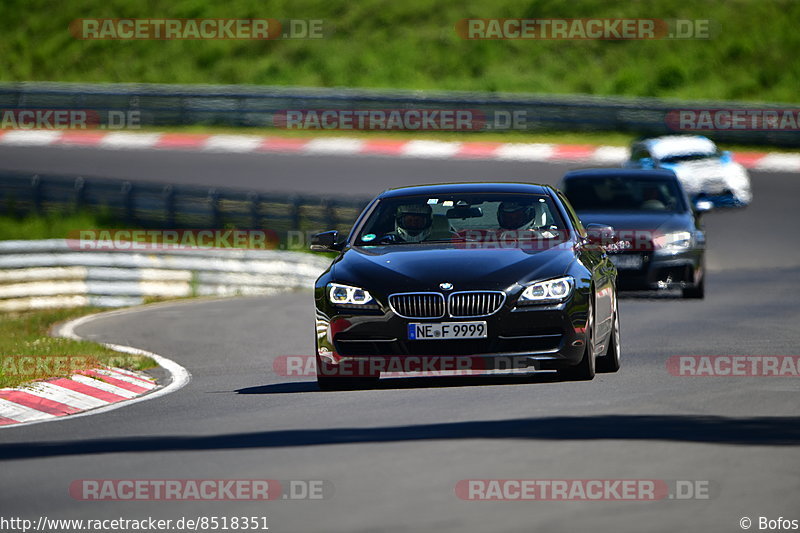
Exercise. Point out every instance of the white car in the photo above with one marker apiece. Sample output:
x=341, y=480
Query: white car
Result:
x=705, y=172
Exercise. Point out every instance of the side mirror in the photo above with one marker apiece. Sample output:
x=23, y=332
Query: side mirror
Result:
x=601, y=234
x=702, y=206
x=646, y=162
x=326, y=242
x=726, y=156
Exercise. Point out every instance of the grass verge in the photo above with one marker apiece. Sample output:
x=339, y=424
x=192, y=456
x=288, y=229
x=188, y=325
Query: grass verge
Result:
x=750, y=53
x=63, y=225
x=53, y=225
x=28, y=353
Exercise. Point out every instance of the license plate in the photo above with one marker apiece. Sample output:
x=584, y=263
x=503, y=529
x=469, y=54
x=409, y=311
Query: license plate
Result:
x=627, y=262
x=447, y=330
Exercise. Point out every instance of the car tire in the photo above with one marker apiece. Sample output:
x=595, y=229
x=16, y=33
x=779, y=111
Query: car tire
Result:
x=610, y=361
x=698, y=292
x=585, y=370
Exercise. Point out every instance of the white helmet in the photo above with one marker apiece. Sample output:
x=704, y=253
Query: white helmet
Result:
x=513, y=215
x=413, y=222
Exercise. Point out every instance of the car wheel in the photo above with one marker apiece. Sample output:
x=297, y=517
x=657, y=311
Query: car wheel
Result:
x=327, y=380
x=697, y=292
x=585, y=370
x=610, y=361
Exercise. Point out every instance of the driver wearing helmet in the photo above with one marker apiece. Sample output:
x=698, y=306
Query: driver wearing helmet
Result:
x=512, y=215
x=413, y=222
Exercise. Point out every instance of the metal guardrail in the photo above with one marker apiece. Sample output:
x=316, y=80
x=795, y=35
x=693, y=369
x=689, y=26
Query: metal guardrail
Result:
x=246, y=106
x=161, y=206
x=51, y=273
x=57, y=273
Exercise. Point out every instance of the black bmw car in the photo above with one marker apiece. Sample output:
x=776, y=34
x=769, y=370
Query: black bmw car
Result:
x=658, y=242
x=500, y=274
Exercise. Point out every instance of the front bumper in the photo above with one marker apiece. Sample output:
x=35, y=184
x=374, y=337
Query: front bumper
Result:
x=660, y=272
x=539, y=336
x=727, y=199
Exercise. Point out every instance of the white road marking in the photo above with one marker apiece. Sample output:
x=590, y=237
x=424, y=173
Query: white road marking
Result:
x=779, y=163
x=20, y=413
x=525, y=152
x=334, y=146
x=30, y=137
x=233, y=143
x=126, y=140
x=610, y=154
x=63, y=395
x=126, y=378
x=430, y=149
x=102, y=385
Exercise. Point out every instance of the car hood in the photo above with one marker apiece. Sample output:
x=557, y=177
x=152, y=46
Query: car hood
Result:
x=405, y=268
x=638, y=220
x=712, y=176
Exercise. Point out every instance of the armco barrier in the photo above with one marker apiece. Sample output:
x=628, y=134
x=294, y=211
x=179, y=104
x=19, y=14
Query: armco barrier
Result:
x=52, y=273
x=257, y=106
x=152, y=205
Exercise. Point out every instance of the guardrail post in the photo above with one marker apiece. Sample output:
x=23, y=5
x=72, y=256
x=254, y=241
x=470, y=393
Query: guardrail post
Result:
x=128, y=202
x=36, y=192
x=216, y=215
x=169, y=205
x=80, y=193
x=294, y=212
x=182, y=113
x=255, y=201
x=329, y=208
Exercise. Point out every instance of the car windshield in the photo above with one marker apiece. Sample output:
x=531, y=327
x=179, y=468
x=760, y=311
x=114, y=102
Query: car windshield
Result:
x=459, y=218
x=623, y=194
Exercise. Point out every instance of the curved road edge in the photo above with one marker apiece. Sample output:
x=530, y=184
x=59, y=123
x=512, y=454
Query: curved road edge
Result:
x=178, y=375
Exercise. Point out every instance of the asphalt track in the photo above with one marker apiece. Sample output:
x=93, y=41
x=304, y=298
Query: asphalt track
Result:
x=394, y=455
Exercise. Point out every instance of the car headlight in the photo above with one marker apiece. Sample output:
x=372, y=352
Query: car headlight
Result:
x=673, y=242
x=348, y=296
x=552, y=290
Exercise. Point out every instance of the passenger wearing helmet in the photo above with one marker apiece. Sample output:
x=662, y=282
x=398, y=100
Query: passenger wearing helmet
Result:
x=651, y=197
x=413, y=222
x=513, y=215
